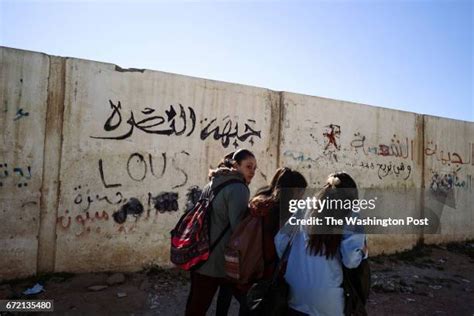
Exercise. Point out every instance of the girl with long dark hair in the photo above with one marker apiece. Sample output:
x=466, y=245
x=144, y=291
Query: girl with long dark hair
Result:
x=314, y=270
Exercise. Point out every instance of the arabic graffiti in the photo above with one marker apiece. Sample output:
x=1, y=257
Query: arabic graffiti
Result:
x=443, y=182
x=181, y=122
x=431, y=150
x=151, y=124
x=332, y=149
x=82, y=220
x=229, y=131
x=401, y=169
x=396, y=148
x=22, y=175
x=299, y=156
x=84, y=201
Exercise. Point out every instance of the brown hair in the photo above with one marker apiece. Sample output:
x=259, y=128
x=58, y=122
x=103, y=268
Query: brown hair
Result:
x=283, y=178
x=328, y=244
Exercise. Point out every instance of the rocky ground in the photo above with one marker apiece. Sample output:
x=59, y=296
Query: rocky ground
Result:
x=425, y=281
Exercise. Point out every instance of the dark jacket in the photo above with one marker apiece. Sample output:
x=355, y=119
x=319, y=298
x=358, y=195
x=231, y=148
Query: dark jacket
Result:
x=229, y=206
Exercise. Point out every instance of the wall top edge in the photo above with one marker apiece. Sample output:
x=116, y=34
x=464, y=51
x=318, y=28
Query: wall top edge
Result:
x=120, y=69
x=345, y=102
x=439, y=118
x=138, y=70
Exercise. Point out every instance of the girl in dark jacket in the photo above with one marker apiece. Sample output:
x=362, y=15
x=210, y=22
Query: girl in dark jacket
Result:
x=228, y=207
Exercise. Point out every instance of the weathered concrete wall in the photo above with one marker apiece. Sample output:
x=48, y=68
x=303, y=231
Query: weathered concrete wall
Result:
x=376, y=146
x=98, y=162
x=148, y=136
x=449, y=169
x=24, y=92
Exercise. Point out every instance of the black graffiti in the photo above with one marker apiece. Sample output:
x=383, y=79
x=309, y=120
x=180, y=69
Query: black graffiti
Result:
x=443, y=182
x=166, y=202
x=180, y=170
x=133, y=207
x=23, y=174
x=85, y=201
x=150, y=160
x=141, y=164
x=385, y=169
x=192, y=196
x=20, y=114
x=150, y=124
x=229, y=131
x=137, y=169
x=102, y=177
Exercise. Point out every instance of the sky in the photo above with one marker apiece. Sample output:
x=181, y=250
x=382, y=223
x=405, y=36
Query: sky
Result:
x=415, y=56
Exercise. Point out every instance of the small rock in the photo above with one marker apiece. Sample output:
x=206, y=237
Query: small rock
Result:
x=116, y=278
x=416, y=277
x=466, y=280
x=442, y=260
x=430, y=295
x=153, y=301
x=96, y=288
x=121, y=294
x=435, y=287
x=467, y=289
x=411, y=300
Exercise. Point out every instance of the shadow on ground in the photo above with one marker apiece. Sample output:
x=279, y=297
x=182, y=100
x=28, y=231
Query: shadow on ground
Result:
x=430, y=280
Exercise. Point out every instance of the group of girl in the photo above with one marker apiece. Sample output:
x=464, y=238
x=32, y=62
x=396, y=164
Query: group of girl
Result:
x=314, y=265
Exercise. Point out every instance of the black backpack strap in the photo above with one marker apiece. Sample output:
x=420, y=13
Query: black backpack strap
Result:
x=213, y=194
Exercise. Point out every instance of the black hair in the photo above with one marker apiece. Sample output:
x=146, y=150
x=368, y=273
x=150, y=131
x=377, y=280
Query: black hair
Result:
x=235, y=156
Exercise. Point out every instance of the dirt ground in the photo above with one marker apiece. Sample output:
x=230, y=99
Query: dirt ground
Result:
x=435, y=280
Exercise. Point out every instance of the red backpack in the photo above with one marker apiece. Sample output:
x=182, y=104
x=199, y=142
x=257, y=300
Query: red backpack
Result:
x=190, y=239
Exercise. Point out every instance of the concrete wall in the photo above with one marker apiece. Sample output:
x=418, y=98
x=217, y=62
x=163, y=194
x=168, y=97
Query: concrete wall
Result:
x=24, y=94
x=150, y=136
x=98, y=142
x=320, y=136
x=449, y=168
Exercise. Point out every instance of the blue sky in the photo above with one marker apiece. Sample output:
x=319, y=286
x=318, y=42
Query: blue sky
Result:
x=415, y=56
